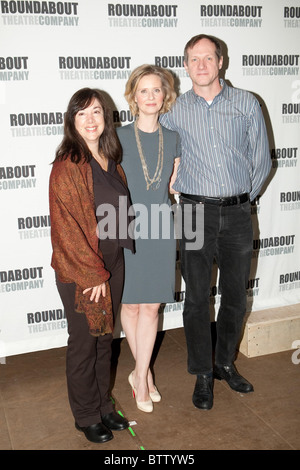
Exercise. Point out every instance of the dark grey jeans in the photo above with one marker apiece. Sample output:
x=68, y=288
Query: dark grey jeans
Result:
x=228, y=238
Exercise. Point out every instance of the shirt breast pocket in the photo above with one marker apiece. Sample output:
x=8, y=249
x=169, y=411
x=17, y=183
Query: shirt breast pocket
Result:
x=233, y=130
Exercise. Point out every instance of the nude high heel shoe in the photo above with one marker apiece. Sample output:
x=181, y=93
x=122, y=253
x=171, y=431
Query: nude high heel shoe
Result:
x=155, y=396
x=146, y=406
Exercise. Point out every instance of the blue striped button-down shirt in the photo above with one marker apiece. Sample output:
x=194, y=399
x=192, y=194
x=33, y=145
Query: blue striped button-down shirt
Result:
x=225, y=150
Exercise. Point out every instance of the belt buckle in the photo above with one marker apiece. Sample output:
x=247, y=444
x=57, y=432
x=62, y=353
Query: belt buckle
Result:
x=226, y=201
x=231, y=200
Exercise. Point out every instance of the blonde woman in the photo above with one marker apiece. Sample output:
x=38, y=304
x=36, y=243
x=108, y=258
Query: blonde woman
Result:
x=150, y=159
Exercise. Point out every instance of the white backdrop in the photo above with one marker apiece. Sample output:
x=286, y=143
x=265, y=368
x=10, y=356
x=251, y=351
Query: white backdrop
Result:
x=50, y=49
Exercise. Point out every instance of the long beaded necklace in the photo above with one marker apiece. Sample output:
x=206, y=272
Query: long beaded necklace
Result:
x=160, y=161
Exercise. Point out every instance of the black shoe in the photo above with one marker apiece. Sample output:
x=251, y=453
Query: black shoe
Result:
x=115, y=421
x=96, y=432
x=233, y=378
x=203, y=393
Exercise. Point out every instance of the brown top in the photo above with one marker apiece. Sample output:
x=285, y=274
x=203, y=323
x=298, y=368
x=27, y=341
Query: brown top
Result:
x=76, y=257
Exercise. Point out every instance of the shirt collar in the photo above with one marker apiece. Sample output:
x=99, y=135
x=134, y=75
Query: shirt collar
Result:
x=224, y=93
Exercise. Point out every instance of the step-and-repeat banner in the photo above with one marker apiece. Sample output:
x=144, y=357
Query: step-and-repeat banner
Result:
x=50, y=49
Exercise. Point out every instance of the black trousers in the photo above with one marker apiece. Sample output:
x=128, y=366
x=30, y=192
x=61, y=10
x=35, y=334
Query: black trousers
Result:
x=88, y=362
x=228, y=238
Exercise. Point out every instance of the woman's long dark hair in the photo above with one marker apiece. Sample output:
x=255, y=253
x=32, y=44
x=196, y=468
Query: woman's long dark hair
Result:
x=73, y=145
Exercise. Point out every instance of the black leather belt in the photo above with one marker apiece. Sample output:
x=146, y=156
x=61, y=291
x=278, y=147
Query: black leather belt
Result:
x=218, y=201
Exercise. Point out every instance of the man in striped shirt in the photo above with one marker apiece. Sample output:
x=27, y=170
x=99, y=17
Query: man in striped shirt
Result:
x=224, y=162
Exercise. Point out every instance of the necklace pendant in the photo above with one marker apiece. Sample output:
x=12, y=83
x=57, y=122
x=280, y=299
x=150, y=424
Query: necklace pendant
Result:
x=156, y=186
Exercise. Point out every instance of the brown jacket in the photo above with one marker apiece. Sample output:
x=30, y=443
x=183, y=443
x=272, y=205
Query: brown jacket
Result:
x=76, y=256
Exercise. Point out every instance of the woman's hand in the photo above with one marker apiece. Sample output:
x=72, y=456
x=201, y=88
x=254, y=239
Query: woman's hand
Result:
x=174, y=176
x=97, y=291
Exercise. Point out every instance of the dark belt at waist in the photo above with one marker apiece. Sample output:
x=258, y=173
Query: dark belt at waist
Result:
x=218, y=201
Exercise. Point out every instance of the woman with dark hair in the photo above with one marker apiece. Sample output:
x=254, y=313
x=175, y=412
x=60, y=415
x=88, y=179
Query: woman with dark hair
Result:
x=89, y=266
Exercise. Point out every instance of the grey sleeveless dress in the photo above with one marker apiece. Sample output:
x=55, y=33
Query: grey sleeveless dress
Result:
x=150, y=271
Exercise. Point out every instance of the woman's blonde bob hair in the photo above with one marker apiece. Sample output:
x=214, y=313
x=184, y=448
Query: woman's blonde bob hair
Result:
x=167, y=81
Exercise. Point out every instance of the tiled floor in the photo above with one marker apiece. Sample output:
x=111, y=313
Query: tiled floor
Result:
x=35, y=414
